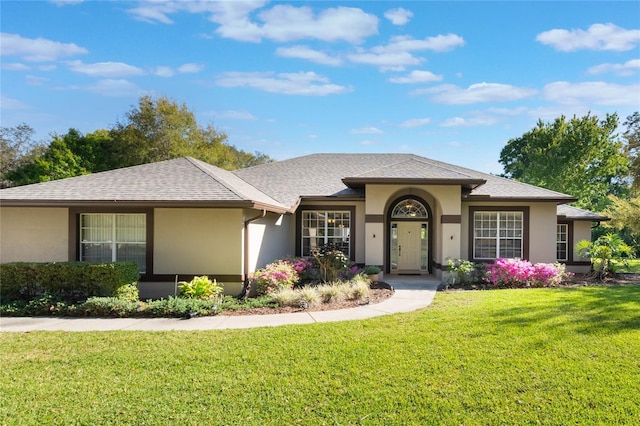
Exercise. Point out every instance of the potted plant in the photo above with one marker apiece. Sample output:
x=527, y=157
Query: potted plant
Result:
x=372, y=272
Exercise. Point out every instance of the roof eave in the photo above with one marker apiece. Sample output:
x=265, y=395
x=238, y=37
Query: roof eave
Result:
x=358, y=182
x=144, y=203
x=557, y=200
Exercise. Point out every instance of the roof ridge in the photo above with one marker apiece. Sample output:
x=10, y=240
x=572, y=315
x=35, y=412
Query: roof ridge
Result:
x=222, y=179
x=198, y=164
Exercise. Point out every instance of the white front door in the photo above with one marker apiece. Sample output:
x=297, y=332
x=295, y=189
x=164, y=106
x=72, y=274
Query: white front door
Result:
x=409, y=249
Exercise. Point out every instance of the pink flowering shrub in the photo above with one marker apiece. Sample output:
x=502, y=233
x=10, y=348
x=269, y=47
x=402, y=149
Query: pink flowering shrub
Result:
x=517, y=273
x=278, y=275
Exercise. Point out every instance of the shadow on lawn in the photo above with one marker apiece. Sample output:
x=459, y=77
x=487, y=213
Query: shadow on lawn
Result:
x=586, y=310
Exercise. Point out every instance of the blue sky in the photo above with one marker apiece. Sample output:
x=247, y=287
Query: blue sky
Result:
x=453, y=81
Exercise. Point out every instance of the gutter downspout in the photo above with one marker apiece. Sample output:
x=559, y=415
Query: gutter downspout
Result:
x=245, y=265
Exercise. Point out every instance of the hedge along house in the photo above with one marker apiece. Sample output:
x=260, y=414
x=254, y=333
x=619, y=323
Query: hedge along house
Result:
x=183, y=217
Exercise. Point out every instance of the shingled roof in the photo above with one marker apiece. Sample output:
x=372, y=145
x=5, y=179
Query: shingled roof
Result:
x=574, y=213
x=182, y=181
x=277, y=186
x=340, y=175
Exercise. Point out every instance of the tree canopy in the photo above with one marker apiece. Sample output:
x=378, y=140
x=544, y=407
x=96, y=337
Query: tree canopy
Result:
x=155, y=129
x=581, y=156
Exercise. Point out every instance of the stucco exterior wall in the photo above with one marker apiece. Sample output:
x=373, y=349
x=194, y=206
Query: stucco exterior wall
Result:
x=270, y=238
x=581, y=231
x=198, y=241
x=444, y=200
x=542, y=229
x=34, y=234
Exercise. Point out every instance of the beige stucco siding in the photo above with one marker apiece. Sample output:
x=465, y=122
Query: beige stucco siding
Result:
x=581, y=231
x=198, y=241
x=34, y=234
x=542, y=229
x=444, y=200
x=270, y=237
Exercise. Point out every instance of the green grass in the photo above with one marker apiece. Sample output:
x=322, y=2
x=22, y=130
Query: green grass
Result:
x=515, y=357
x=632, y=267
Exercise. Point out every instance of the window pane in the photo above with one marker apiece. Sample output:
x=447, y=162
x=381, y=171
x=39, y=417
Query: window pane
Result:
x=320, y=228
x=498, y=234
x=105, y=237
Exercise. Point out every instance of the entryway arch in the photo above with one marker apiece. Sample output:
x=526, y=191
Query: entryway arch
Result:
x=409, y=225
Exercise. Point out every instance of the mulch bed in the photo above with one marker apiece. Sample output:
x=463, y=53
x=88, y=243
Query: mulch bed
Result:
x=379, y=293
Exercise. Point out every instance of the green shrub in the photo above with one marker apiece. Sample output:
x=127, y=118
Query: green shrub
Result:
x=230, y=303
x=357, y=289
x=200, y=288
x=181, y=307
x=70, y=281
x=109, y=307
x=308, y=296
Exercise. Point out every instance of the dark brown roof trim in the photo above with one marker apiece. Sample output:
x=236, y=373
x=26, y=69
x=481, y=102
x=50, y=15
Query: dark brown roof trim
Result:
x=557, y=200
x=594, y=218
x=359, y=181
x=146, y=203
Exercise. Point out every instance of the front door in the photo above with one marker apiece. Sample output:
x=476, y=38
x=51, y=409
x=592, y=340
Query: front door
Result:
x=409, y=246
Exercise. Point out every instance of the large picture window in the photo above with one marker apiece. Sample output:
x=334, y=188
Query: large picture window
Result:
x=109, y=237
x=498, y=234
x=320, y=228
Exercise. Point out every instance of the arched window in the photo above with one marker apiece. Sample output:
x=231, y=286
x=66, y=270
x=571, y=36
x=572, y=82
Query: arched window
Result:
x=409, y=208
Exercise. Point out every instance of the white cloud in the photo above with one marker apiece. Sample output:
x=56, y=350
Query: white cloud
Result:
x=595, y=92
x=33, y=80
x=303, y=52
x=468, y=122
x=368, y=142
x=112, y=88
x=190, y=68
x=38, y=49
x=597, y=37
x=11, y=104
x=416, y=77
x=302, y=83
x=398, y=16
x=281, y=22
x=439, y=43
x=287, y=23
x=450, y=94
x=15, y=66
x=415, y=122
x=629, y=68
x=366, y=131
x=105, y=69
x=387, y=61
x=397, y=54
x=164, y=71
x=234, y=115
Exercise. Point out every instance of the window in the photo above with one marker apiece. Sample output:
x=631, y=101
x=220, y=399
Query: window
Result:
x=320, y=228
x=498, y=234
x=562, y=242
x=108, y=237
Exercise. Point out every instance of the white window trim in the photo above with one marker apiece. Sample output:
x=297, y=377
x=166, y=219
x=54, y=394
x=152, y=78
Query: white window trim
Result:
x=565, y=242
x=326, y=228
x=497, y=236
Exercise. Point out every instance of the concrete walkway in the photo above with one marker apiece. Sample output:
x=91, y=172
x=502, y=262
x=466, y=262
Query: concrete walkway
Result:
x=411, y=293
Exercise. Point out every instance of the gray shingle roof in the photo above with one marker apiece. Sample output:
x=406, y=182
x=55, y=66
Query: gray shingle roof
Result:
x=323, y=174
x=575, y=213
x=278, y=186
x=178, y=180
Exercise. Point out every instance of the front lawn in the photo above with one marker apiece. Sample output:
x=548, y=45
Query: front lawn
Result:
x=537, y=356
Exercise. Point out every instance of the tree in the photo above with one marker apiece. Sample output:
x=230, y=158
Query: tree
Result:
x=604, y=253
x=632, y=136
x=581, y=157
x=155, y=130
x=16, y=148
x=161, y=129
x=57, y=162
